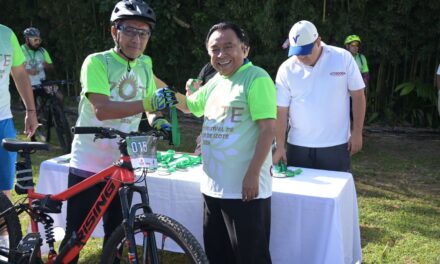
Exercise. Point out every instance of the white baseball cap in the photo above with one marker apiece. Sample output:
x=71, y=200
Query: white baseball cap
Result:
x=301, y=38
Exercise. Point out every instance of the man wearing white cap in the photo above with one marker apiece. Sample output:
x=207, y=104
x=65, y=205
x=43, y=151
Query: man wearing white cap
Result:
x=313, y=89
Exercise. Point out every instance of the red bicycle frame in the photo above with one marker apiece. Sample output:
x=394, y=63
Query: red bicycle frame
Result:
x=115, y=176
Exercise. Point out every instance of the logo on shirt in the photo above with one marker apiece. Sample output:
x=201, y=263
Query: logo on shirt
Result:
x=338, y=73
x=128, y=87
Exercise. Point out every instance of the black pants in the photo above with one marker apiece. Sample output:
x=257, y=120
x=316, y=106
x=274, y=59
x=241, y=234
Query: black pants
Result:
x=78, y=207
x=336, y=158
x=237, y=232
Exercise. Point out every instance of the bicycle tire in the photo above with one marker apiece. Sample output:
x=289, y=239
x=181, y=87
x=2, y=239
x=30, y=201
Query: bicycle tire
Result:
x=42, y=134
x=62, y=128
x=12, y=225
x=159, y=224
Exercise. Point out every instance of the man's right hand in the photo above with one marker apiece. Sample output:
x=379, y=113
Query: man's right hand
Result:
x=279, y=155
x=161, y=99
x=192, y=85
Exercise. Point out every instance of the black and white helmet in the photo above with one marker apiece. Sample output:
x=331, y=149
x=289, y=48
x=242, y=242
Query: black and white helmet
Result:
x=31, y=32
x=127, y=9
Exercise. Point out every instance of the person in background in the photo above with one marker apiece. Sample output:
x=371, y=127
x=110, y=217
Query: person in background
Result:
x=237, y=134
x=353, y=43
x=38, y=63
x=314, y=87
x=38, y=60
x=438, y=88
x=117, y=86
x=12, y=63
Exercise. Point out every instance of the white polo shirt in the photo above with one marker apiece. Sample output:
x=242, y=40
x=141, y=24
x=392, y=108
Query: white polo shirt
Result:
x=318, y=97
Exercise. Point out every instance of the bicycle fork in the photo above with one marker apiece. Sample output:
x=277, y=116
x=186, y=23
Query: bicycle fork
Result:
x=129, y=215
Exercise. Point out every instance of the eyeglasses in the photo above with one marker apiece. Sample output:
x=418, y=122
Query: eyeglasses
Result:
x=35, y=39
x=133, y=32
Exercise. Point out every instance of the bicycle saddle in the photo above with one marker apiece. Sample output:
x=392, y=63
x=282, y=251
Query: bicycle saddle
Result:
x=12, y=144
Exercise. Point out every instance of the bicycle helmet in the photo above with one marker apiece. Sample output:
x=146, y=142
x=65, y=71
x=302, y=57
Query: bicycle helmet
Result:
x=31, y=32
x=352, y=38
x=133, y=9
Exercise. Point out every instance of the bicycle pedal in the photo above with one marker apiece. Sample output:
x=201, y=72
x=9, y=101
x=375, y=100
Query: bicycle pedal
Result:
x=28, y=248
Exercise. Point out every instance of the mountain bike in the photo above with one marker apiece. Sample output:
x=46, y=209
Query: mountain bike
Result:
x=142, y=237
x=50, y=113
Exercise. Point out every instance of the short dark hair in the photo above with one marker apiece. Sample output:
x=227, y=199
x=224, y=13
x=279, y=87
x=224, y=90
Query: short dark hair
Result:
x=242, y=36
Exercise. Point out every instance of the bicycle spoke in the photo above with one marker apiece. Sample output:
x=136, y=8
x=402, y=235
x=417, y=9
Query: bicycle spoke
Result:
x=159, y=240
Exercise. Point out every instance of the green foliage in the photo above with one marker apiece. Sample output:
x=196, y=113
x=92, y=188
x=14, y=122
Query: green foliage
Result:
x=400, y=38
x=416, y=103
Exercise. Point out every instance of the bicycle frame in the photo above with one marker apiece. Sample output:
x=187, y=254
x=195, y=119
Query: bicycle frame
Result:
x=115, y=176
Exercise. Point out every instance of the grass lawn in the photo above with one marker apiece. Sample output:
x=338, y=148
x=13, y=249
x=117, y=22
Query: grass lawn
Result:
x=398, y=186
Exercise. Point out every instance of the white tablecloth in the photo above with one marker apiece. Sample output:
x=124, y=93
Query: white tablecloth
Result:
x=314, y=215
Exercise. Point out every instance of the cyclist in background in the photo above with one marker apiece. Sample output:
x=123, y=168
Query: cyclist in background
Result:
x=352, y=43
x=38, y=60
x=117, y=86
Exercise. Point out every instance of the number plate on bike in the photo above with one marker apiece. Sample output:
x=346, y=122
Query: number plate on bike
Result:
x=142, y=151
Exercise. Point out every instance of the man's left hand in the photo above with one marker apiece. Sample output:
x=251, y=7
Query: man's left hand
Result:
x=162, y=124
x=30, y=123
x=355, y=143
x=250, y=186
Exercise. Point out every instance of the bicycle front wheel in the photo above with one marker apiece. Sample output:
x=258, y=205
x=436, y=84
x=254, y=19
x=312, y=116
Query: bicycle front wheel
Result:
x=9, y=228
x=169, y=235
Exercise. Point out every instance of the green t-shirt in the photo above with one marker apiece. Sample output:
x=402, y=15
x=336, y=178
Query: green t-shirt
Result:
x=107, y=73
x=35, y=60
x=362, y=63
x=10, y=56
x=231, y=107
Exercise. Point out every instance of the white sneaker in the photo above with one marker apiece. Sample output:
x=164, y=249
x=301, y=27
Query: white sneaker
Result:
x=4, y=243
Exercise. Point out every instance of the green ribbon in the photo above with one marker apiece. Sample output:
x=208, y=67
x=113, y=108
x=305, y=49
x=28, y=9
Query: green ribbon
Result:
x=171, y=162
x=175, y=130
x=282, y=168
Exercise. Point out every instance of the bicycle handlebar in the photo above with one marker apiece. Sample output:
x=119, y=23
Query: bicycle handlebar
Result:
x=52, y=82
x=60, y=82
x=107, y=132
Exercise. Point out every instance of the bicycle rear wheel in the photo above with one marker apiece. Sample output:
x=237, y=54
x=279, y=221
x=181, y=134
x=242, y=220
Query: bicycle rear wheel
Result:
x=45, y=119
x=9, y=224
x=169, y=234
x=62, y=128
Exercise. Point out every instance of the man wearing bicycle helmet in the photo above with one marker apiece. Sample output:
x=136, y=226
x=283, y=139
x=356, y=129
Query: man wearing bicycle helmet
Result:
x=117, y=86
x=38, y=60
x=352, y=43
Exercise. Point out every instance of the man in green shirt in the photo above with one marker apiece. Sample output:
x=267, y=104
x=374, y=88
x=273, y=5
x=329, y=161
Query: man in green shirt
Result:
x=352, y=43
x=12, y=64
x=38, y=60
x=117, y=86
x=239, y=108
